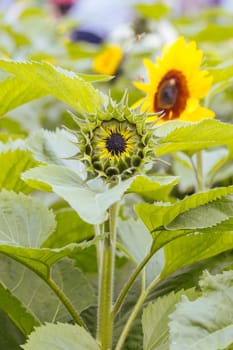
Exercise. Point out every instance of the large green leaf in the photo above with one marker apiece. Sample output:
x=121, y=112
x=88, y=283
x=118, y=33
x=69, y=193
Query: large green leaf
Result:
x=70, y=229
x=25, y=224
x=194, y=247
x=40, y=260
x=57, y=147
x=60, y=336
x=136, y=241
x=13, y=163
x=54, y=147
x=75, y=286
x=36, y=79
x=153, y=188
x=205, y=216
x=15, y=93
x=16, y=311
x=205, y=323
x=159, y=215
x=189, y=276
x=155, y=320
x=91, y=200
x=24, y=221
x=40, y=301
x=192, y=137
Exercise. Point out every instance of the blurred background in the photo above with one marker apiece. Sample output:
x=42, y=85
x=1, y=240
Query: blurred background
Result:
x=82, y=35
x=111, y=38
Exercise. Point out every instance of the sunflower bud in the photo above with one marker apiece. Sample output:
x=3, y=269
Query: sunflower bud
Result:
x=114, y=142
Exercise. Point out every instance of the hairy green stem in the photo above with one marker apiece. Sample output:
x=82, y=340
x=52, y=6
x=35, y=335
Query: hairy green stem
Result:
x=67, y=303
x=106, y=275
x=129, y=283
x=99, y=245
x=135, y=312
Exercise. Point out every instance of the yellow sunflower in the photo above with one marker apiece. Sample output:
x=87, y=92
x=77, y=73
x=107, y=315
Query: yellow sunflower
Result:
x=108, y=61
x=176, y=84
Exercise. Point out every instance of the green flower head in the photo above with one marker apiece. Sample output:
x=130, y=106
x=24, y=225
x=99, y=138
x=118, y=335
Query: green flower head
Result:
x=114, y=142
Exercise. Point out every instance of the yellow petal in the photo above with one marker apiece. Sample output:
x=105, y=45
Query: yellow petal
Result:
x=142, y=86
x=138, y=103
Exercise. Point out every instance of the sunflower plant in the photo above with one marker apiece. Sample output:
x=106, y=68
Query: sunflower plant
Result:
x=97, y=250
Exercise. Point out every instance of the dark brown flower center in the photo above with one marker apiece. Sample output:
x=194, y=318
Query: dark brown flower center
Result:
x=116, y=144
x=172, y=95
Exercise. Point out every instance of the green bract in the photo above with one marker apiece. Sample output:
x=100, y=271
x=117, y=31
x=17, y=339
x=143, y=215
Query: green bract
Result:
x=114, y=142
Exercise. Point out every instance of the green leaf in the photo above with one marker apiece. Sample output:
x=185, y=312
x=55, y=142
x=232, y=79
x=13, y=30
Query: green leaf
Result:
x=95, y=77
x=136, y=241
x=85, y=259
x=205, y=323
x=155, y=320
x=214, y=32
x=135, y=336
x=161, y=214
x=40, y=300
x=36, y=79
x=189, y=276
x=70, y=229
x=135, y=238
x=25, y=224
x=16, y=311
x=10, y=336
x=220, y=170
x=56, y=148
x=91, y=200
x=152, y=11
x=60, y=336
x=205, y=216
x=222, y=72
x=182, y=167
x=217, y=88
x=24, y=220
x=14, y=93
x=192, y=137
x=52, y=147
x=75, y=286
x=41, y=260
x=13, y=163
x=194, y=247
x=153, y=188
x=12, y=127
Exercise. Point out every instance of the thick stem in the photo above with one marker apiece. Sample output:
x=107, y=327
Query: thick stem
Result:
x=106, y=275
x=67, y=303
x=99, y=245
